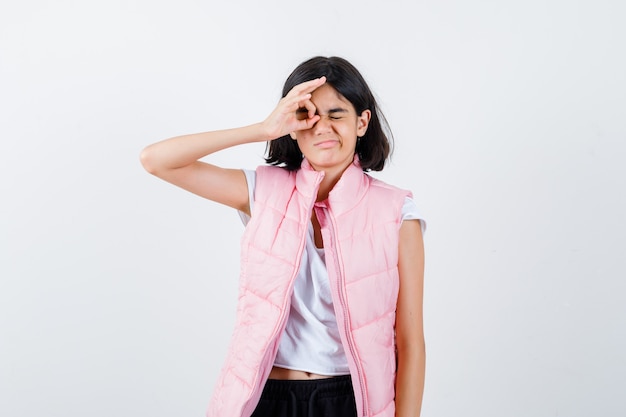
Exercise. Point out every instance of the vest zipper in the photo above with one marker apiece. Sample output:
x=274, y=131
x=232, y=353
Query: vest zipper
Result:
x=248, y=410
x=343, y=302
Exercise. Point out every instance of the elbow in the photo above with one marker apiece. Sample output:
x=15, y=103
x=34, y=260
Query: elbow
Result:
x=413, y=355
x=147, y=159
x=416, y=347
x=411, y=344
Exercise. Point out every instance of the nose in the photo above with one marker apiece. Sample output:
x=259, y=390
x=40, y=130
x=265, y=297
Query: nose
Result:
x=324, y=124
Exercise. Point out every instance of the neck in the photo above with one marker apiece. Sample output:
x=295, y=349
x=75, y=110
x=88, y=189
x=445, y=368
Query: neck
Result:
x=331, y=176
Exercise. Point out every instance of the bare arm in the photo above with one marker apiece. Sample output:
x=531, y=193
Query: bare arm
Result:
x=176, y=160
x=409, y=322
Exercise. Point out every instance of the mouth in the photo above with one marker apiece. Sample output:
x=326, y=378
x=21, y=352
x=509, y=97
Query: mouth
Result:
x=326, y=143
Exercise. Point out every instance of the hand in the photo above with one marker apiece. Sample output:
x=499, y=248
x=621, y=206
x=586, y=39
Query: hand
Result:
x=295, y=111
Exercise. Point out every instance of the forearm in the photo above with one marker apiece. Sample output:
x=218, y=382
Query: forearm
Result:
x=184, y=150
x=410, y=381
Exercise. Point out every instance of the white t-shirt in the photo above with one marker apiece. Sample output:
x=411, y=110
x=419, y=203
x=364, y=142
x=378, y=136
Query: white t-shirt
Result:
x=311, y=340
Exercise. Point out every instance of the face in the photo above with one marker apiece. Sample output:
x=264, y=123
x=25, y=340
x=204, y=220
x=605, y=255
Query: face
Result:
x=330, y=144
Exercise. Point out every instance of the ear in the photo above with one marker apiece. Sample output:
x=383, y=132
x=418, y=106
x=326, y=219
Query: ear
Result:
x=362, y=122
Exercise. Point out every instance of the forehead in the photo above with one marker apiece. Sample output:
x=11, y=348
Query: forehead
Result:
x=326, y=98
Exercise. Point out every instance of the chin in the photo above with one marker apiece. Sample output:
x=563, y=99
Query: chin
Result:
x=322, y=163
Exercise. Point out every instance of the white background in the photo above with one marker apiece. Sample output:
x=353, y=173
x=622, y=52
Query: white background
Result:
x=118, y=291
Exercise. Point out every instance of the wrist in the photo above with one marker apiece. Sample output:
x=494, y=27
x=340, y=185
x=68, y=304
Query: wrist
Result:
x=269, y=132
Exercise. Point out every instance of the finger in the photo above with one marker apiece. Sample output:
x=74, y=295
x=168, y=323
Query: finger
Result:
x=307, y=107
x=305, y=124
x=311, y=122
x=308, y=86
x=301, y=100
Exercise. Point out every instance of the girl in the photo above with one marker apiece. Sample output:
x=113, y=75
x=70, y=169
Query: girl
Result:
x=329, y=320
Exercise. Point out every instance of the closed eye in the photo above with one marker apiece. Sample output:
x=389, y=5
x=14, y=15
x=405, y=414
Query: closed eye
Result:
x=337, y=113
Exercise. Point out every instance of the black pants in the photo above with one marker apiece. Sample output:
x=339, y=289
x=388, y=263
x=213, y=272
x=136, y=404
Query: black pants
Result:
x=329, y=397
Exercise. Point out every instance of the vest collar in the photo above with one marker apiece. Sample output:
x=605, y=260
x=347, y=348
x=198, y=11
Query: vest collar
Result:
x=344, y=196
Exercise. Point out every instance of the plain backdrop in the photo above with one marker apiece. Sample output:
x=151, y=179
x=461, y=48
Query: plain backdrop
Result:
x=118, y=291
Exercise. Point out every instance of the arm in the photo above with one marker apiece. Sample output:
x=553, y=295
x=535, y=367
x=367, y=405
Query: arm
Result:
x=409, y=322
x=176, y=160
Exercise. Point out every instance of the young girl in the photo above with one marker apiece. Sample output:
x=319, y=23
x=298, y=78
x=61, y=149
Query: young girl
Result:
x=329, y=320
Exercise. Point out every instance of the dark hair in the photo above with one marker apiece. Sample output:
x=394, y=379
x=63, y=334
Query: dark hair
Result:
x=373, y=148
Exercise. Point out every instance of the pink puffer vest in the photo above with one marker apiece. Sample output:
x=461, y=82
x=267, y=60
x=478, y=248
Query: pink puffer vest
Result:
x=360, y=223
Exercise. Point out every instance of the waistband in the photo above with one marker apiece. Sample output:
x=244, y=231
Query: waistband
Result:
x=337, y=386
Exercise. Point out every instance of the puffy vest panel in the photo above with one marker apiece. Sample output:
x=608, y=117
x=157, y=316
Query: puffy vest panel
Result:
x=360, y=224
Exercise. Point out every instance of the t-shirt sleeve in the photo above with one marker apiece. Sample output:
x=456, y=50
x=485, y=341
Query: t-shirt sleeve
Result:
x=411, y=212
x=251, y=180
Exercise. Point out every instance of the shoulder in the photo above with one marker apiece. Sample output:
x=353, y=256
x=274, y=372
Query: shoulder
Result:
x=272, y=173
x=271, y=180
x=265, y=176
x=383, y=187
x=405, y=201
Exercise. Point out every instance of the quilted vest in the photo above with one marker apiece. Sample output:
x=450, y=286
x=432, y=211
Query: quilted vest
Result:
x=360, y=223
